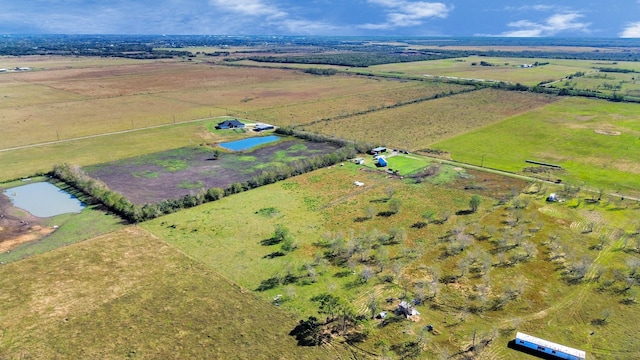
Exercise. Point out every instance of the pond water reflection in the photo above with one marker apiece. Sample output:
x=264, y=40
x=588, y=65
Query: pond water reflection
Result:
x=246, y=144
x=43, y=199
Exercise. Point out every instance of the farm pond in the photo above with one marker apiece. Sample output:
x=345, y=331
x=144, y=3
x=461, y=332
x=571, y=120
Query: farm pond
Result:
x=246, y=144
x=43, y=199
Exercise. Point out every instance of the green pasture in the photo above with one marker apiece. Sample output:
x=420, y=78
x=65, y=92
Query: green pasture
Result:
x=624, y=84
x=595, y=141
x=129, y=295
x=410, y=164
x=324, y=205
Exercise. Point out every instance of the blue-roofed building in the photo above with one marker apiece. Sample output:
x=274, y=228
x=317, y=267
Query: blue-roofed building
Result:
x=230, y=124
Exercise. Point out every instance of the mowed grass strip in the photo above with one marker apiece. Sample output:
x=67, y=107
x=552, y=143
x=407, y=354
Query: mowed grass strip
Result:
x=128, y=294
x=417, y=126
x=594, y=140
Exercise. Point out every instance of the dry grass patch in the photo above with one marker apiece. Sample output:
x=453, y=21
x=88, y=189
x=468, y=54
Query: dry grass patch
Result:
x=127, y=294
x=378, y=94
x=417, y=126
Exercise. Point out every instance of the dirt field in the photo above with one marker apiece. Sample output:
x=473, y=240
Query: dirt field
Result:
x=176, y=173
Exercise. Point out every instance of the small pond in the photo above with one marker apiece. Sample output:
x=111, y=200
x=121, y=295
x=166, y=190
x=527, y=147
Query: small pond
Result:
x=43, y=199
x=246, y=144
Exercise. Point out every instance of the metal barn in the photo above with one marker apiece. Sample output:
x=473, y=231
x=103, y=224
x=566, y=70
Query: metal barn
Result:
x=548, y=347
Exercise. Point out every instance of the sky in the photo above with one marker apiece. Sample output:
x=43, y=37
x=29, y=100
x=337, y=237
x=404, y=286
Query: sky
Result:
x=515, y=18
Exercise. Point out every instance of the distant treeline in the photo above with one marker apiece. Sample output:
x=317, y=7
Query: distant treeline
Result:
x=616, y=70
x=84, y=45
x=324, y=72
x=355, y=59
x=120, y=205
x=336, y=50
x=364, y=58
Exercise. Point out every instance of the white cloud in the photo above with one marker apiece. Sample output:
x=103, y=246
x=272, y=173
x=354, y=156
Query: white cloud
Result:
x=631, y=31
x=249, y=7
x=407, y=13
x=551, y=26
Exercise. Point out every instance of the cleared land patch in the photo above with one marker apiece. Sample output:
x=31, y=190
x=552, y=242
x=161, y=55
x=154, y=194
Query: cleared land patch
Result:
x=417, y=126
x=175, y=173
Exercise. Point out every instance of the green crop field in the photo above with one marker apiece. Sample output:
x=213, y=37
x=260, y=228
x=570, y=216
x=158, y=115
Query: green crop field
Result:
x=594, y=140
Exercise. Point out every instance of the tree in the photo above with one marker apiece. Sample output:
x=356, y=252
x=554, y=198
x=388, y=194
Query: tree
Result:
x=474, y=203
x=394, y=205
x=327, y=304
x=280, y=234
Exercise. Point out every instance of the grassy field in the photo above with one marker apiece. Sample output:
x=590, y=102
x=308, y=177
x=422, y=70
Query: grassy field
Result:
x=27, y=161
x=372, y=99
x=572, y=133
x=127, y=294
x=503, y=69
x=417, y=126
x=205, y=282
x=322, y=207
x=64, y=103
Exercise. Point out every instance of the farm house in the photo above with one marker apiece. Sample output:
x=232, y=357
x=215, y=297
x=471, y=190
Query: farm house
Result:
x=548, y=347
x=230, y=124
x=382, y=162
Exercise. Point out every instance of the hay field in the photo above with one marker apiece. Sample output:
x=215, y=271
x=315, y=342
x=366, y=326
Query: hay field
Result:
x=65, y=103
x=374, y=98
x=127, y=294
x=417, y=126
x=38, y=62
x=594, y=140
